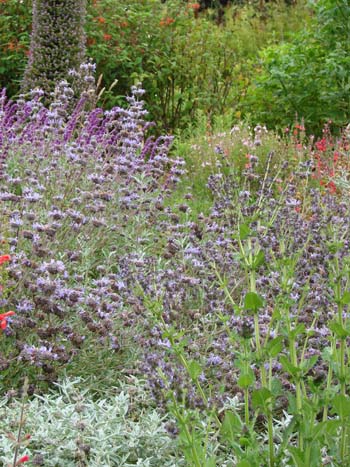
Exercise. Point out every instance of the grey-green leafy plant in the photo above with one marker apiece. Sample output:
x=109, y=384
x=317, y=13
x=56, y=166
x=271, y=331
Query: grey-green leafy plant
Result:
x=69, y=427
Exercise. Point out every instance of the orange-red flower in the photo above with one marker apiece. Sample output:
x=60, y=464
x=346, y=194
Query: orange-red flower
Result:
x=4, y=259
x=22, y=460
x=107, y=37
x=332, y=187
x=91, y=41
x=166, y=21
x=194, y=6
x=3, y=318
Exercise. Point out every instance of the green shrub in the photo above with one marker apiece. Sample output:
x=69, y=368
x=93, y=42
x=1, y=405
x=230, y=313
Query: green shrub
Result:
x=187, y=63
x=308, y=77
x=15, y=21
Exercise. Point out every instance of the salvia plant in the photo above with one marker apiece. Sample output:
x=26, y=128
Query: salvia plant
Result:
x=72, y=207
x=238, y=317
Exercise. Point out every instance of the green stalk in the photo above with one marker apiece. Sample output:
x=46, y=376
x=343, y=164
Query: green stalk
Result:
x=270, y=434
x=341, y=360
x=256, y=319
x=184, y=363
x=188, y=435
x=294, y=361
x=259, y=353
x=246, y=390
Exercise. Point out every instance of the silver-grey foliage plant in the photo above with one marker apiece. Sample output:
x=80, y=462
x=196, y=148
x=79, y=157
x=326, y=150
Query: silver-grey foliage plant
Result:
x=70, y=428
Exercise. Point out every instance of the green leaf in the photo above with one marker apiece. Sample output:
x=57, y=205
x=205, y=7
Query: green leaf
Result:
x=345, y=300
x=246, y=379
x=244, y=231
x=211, y=462
x=332, y=427
x=309, y=363
x=341, y=405
x=244, y=464
x=274, y=347
x=259, y=259
x=253, y=301
x=18, y=190
x=338, y=330
x=288, y=367
x=261, y=397
x=276, y=387
x=297, y=456
x=194, y=369
x=318, y=430
x=276, y=315
x=299, y=329
x=231, y=426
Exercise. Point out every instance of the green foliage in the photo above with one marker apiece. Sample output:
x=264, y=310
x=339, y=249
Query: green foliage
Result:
x=186, y=63
x=185, y=60
x=15, y=21
x=308, y=77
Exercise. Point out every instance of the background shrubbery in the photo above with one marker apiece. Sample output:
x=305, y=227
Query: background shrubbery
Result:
x=307, y=77
x=268, y=63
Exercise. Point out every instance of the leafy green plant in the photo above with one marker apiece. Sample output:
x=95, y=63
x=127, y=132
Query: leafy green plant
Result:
x=185, y=60
x=15, y=24
x=309, y=76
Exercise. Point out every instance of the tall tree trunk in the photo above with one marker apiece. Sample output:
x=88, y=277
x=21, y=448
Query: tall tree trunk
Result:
x=57, y=43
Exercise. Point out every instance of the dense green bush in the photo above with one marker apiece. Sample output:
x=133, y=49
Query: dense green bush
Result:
x=309, y=76
x=186, y=61
x=15, y=23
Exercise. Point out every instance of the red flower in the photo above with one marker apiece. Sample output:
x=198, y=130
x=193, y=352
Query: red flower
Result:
x=4, y=259
x=22, y=460
x=194, y=6
x=107, y=37
x=90, y=41
x=166, y=21
x=3, y=317
x=332, y=187
x=321, y=145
